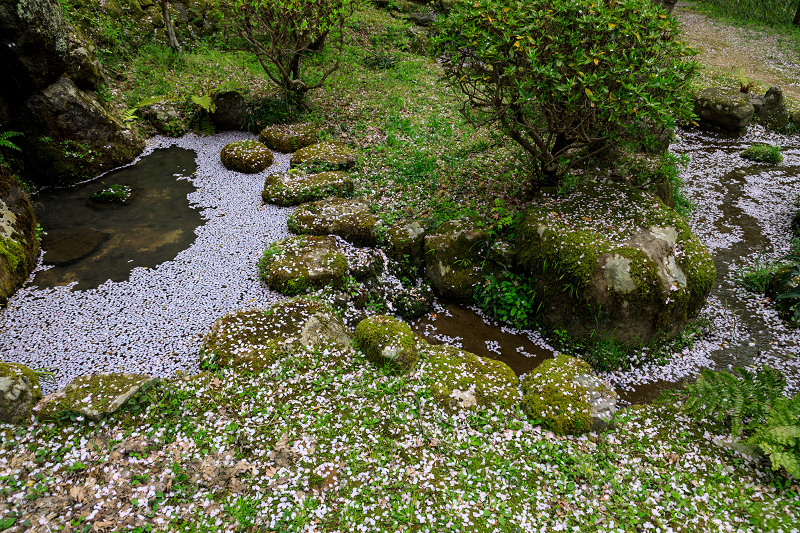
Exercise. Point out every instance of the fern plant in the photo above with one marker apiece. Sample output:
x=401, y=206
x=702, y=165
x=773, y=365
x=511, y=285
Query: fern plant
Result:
x=779, y=436
x=4, y=140
x=739, y=398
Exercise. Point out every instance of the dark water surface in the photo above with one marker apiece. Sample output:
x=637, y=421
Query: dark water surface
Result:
x=90, y=244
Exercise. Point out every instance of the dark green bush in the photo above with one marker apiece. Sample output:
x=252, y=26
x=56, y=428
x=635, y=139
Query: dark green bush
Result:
x=568, y=79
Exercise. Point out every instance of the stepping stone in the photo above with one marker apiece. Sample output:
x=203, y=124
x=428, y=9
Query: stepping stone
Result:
x=297, y=187
x=94, y=396
x=349, y=219
x=296, y=264
x=247, y=156
x=64, y=247
x=288, y=137
x=328, y=155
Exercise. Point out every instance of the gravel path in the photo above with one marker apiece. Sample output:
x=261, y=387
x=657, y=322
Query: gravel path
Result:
x=154, y=322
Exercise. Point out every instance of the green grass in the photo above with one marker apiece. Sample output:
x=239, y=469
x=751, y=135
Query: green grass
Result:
x=756, y=277
x=763, y=153
x=766, y=12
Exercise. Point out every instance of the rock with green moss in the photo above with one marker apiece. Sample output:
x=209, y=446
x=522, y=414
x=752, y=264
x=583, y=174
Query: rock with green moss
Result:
x=612, y=261
x=388, y=341
x=19, y=392
x=725, y=109
x=93, y=396
x=19, y=246
x=411, y=302
x=113, y=194
x=246, y=156
x=297, y=187
x=327, y=155
x=405, y=244
x=288, y=137
x=349, y=219
x=460, y=379
x=296, y=264
x=455, y=257
x=566, y=396
x=252, y=339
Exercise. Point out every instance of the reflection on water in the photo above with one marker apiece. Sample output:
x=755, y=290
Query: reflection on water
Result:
x=89, y=243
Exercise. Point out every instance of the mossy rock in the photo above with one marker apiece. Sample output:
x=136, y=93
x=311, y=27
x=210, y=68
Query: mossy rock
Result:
x=460, y=379
x=613, y=261
x=113, y=194
x=19, y=392
x=296, y=264
x=19, y=247
x=288, y=137
x=455, y=257
x=349, y=219
x=93, y=396
x=565, y=395
x=246, y=156
x=405, y=244
x=252, y=339
x=725, y=109
x=411, y=302
x=297, y=187
x=388, y=341
x=327, y=155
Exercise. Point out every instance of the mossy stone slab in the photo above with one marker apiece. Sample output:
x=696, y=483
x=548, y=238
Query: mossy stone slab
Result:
x=567, y=396
x=94, y=396
x=349, y=219
x=298, y=187
x=329, y=155
x=460, y=379
x=612, y=261
x=387, y=341
x=246, y=156
x=288, y=137
x=296, y=264
x=728, y=109
x=19, y=392
x=252, y=339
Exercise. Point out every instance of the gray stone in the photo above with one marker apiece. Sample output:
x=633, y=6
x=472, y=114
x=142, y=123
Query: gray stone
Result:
x=421, y=19
x=328, y=155
x=727, y=109
x=166, y=118
x=773, y=113
x=288, y=137
x=349, y=219
x=297, y=187
x=230, y=109
x=19, y=392
x=405, y=243
x=19, y=247
x=296, y=264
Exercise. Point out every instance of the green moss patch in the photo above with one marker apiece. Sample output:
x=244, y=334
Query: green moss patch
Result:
x=19, y=392
x=387, y=340
x=13, y=252
x=327, y=155
x=246, y=156
x=762, y=153
x=113, y=194
x=297, y=187
x=349, y=219
x=288, y=137
x=296, y=264
x=462, y=379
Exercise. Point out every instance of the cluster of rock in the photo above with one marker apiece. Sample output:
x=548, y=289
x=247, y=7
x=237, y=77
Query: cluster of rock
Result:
x=731, y=110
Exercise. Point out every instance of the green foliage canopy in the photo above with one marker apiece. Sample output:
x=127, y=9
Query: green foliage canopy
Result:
x=568, y=79
x=281, y=32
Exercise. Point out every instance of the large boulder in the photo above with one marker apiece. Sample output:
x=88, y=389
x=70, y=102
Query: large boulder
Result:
x=252, y=339
x=19, y=246
x=297, y=187
x=613, y=261
x=288, y=137
x=567, y=396
x=19, y=392
x=247, y=156
x=388, y=341
x=460, y=379
x=297, y=264
x=349, y=219
x=726, y=109
x=455, y=257
x=230, y=109
x=770, y=109
x=327, y=155
x=94, y=396
x=405, y=244
x=70, y=136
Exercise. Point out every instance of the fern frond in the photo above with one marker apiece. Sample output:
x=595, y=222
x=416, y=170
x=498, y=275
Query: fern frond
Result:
x=779, y=436
x=5, y=143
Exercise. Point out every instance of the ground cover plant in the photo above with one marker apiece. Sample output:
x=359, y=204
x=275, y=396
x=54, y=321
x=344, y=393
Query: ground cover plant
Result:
x=762, y=153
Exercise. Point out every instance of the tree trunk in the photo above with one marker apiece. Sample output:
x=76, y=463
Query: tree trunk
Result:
x=796, y=20
x=173, y=40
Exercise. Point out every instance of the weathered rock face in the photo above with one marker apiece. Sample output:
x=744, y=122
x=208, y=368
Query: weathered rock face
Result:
x=349, y=219
x=386, y=340
x=613, y=261
x=297, y=187
x=48, y=64
x=252, y=339
x=726, y=109
x=229, y=110
x=296, y=264
x=454, y=257
x=288, y=137
x=19, y=247
x=328, y=155
x=770, y=109
x=19, y=392
x=405, y=243
x=93, y=396
x=567, y=396
x=460, y=379
x=166, y=118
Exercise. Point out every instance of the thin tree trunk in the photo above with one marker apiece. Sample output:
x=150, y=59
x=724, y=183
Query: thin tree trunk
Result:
x=796, y=20
x=173, y=40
